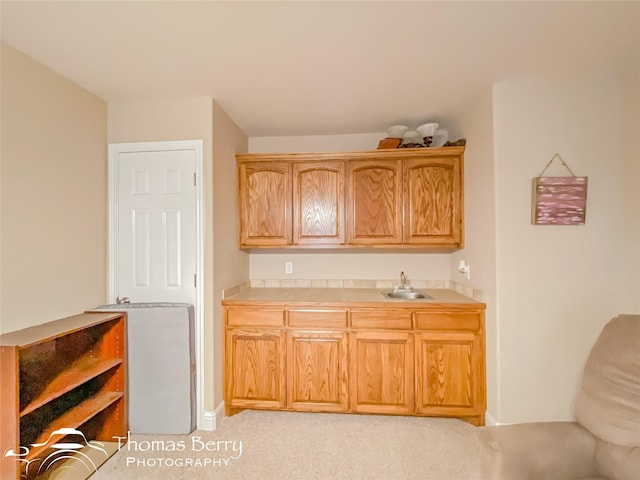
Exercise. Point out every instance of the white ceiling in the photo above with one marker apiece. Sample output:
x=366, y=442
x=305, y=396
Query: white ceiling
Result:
x=307, y=68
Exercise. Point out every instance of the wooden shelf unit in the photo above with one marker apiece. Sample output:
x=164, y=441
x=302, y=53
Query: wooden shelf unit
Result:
x=57, y=377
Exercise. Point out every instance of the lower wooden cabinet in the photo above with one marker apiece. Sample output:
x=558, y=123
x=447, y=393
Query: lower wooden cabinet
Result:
x=381, y=372
x=317, y=371
x=449, y=379
x=255, y=369
x=398, y=361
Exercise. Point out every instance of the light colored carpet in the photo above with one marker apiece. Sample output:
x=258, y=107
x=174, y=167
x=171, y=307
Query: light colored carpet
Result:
x=305, y=446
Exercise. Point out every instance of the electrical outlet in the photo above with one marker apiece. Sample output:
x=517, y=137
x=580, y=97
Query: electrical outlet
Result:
x=465, y=269
x=288, y=267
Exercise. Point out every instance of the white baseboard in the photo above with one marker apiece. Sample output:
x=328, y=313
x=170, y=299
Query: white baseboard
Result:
x=489, y=420
x=211, y=418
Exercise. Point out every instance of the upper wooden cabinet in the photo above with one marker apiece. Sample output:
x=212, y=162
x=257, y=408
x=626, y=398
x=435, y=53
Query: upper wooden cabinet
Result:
x=400, y=199
x=374, y=202
x=265, y=203
x=433, y=201
x=318, y=203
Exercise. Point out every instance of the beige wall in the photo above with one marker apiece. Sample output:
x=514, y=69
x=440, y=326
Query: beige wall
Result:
x=230, y=265
x=225, y=265
x=630, y=129
x=475, y=124
x=177, y=119
x=558, y=285
x=316, y=143
x=54, y=201
x=351, y=266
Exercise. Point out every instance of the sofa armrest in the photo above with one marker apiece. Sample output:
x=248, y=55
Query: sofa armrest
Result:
x=537, y=451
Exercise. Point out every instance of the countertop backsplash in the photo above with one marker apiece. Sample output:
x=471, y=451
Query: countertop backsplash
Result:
x=466, y=290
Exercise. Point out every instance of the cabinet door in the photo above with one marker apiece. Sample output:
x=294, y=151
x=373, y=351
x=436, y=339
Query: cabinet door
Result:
x=381, y=372
x=433, y=201
x=317, y=371
x=318, y=203
x=374, y=202
x=265, y=203
x=255, y=369
x=450, y=376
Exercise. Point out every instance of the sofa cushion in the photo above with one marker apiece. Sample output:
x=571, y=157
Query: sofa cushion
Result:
x=616, y=462
x=536, y=451
x=608, y=400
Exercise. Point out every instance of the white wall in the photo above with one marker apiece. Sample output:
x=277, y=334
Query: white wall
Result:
x=350, y=266
x=164, y=119
x=230, y=264
x=476, y=125
x=365, y=266
x=558, y=285
x=54, y=200
x=224, y=265
x=315, y=143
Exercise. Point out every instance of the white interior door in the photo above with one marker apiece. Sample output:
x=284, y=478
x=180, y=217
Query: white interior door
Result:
x=156, y=231
x=157, y=226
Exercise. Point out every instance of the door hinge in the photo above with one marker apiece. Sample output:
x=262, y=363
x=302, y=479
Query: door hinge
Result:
x=194, y=179
x=195, y=280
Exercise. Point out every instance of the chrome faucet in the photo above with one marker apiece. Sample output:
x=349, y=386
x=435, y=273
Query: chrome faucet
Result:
x=404, y=285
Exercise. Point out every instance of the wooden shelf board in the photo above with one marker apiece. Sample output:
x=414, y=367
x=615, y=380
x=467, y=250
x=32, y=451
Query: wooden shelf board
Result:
x=74, y=418
x=81, y=371
x=58, y=328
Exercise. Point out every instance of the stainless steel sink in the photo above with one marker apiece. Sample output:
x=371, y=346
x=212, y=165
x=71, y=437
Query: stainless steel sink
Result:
x=406, y=295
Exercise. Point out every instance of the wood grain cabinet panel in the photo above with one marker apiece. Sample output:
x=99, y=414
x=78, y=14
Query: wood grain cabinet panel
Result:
x=255, y=369
x=317, y=317
x=409, y=199
x=317, y=371
x=381, y=318
x=374, y=202
x=433, y=201
x=450, y=376
x=362, y=359
x=255, y=317
x=265, y=203
x=381, y=372
x=448, y=320
x=318, y=203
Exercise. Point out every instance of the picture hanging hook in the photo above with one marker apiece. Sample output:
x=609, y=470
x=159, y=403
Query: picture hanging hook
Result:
x=561, y=161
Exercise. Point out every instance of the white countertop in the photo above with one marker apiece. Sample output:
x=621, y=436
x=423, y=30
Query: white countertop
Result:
x=343, y=295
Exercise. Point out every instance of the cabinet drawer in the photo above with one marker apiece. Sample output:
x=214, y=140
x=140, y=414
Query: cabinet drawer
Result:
x=447, y=320
x=387, y=318
x=239, y=316
x=318, y=318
